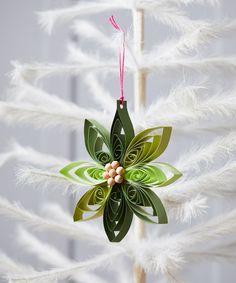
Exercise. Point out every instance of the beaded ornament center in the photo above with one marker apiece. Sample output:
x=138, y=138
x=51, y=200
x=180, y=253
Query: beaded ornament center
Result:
x=113, y=173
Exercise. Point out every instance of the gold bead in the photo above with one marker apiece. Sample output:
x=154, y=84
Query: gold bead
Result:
x=120, y=170
x=111, y=182
x=106, y=175
x=118, y=179
x=115, y=164
x=112, y=173
x=108, y=166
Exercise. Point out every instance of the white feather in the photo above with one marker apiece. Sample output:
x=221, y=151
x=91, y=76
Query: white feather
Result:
x=186, y=211
x=29, y=155
x=36, y=71
x=202, y=2
x=87, y=30
x=216, y=183
x=221, y=252
x=190, y=105
x=46, y=116
x=51, y=256
x=45, y=180
x=169, y=254
x=213, y=229
x=66, y=272
x=16, y=211
x=10, y=266
x=200, y=158
x=192, y=41
x=100, y=94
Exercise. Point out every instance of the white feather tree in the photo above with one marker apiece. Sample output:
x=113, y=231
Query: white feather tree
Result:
x=193, y=109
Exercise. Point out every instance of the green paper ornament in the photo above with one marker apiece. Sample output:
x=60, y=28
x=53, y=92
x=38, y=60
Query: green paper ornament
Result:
x=122, y=175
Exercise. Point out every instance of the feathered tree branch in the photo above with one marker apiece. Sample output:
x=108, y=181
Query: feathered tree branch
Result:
x=10, y=266
x=45, y=179
x=169, y=254
x=66, y=272
x=192, y=41
x=17, y=212
x=29, y=155
x=190, y=106
x=201, y=157
x=162, y=11
x=218, y=183
x=151, y=62
x=51, y=256
x=181, y=107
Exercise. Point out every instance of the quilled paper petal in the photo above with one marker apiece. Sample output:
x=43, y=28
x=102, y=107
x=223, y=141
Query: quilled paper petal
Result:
x=83, y=173
x=96, y=137
x=140, y=200
x=117, y=216
x=146, y=146
x=92, y=204
x=160, y=175
x=122, y=132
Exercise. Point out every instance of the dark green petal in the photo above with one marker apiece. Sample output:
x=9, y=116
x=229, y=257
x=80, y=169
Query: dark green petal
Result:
x=92, y=203
x=122, y=132
x=96, y=137
x=117, y=216
x=142, y=200
x=146, y=146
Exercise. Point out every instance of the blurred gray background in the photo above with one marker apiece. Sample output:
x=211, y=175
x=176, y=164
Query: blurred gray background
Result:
x=22, y=40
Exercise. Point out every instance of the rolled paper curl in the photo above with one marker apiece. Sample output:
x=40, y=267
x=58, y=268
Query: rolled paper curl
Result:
x=99, y=195
x=95, y=173
x=103, y=157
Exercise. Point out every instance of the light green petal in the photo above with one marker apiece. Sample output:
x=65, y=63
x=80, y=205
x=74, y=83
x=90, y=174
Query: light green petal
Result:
x=160, y=175
x=146, y=176
x=146, y=146
x=84, y=173
x=171, y=172
x=92, y=203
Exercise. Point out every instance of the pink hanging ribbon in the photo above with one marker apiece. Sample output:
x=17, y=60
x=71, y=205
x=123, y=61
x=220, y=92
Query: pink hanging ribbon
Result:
x=121, y=58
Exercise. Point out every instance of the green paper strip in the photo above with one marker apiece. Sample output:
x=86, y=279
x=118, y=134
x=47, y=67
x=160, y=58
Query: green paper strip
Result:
x=147, y=146
x=97, y=197
x=122, y=132
x=140, y=200
x=176, y=174
x=83, y=173
x=117, y=216
x=152, y=176
x=96, y=137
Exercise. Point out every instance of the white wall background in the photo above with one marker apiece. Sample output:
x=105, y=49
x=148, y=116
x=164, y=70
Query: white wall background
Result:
x=22, y=39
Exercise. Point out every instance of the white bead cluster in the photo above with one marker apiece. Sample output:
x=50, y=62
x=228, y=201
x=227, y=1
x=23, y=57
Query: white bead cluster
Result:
x=113, y=173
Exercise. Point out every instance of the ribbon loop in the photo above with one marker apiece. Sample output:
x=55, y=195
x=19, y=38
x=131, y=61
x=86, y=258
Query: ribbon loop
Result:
x=121, y=58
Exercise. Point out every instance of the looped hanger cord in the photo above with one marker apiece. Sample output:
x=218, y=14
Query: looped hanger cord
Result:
x=121, y=58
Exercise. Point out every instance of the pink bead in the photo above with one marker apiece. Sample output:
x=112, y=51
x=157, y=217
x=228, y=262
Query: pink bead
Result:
x=120, y=170
x=106, y=175
x=118, y=179
x=115, y=164
x=112, y=173
x=108, y=166
x=111, y=182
